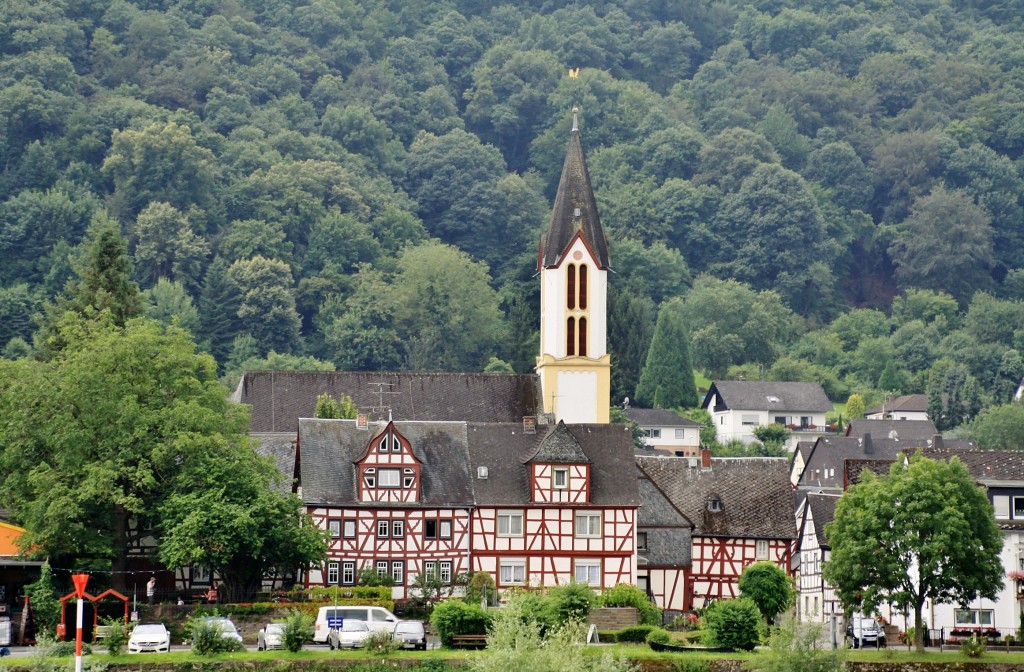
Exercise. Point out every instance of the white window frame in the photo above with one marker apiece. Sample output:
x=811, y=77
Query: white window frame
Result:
x=349, y=528
x=974, y=617
x=348, y=573
x=394, y=475
x=680, y=433
x=761, y=549
x=398, y=571
x=749, y=419
x=444, y=528
x=334, y=527
x=587, y=524
x=1017, y=509
x=513, y=523
x=509, y=568
x=560, y=478
x=446, y=571
x=382, y=568
x=383, y=529
x=333, y=573
x=397, y=529
x=590, y=571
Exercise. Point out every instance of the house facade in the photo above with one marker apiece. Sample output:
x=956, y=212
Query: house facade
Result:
x=531, y=508
x=904, y=407
x=738, y=407
x=741, y=510
x=816, y=599
x=666, y=431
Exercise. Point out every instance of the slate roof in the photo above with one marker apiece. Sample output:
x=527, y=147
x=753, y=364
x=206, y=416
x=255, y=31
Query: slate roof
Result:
x=329, y=448
x=574, y=191
x=907, y=402
x=986, y=466
x=832, y=452
x=503, y=448
x=823, y=510
x=658, y=417
x=280, y=447
x=905, y=430
x=755, y=494
x=279, y=398
x=669, y=540
x=559, y=447
x=763, y=395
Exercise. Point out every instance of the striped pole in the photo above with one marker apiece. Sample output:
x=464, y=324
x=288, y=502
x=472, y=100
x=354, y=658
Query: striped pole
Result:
x=80, y=580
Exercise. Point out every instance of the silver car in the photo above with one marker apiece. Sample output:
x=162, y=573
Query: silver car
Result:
x=410, y=635
x=351, y=635
x=270, y=636
x=149, y=637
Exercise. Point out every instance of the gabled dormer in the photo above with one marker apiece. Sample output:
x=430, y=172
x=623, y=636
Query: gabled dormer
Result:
x=559, y=469
x=388, y=470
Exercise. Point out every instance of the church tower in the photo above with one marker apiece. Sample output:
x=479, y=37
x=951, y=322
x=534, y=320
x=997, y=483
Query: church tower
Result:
x=574, y=364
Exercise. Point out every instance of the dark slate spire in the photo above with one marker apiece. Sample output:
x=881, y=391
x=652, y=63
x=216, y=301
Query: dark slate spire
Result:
x=575, y=195
x=560, y=447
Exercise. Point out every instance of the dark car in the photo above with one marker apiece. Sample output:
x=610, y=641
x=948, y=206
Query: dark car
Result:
x=410, y=635
x=865, y=631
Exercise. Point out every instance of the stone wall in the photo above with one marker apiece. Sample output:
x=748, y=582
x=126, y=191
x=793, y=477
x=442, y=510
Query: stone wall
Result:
x=614, y=618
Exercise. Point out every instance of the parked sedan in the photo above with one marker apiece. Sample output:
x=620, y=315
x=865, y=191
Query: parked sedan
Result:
x=226, y=626
x=410, y=635
x=351, y=635
x=270, y=636
x=149, y=637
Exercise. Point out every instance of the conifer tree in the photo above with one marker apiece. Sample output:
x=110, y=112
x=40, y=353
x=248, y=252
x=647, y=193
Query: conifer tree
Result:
x=668, y=373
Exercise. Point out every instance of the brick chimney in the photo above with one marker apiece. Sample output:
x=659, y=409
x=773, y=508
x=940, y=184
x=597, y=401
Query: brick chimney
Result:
x=937, y=442
x=705, y=458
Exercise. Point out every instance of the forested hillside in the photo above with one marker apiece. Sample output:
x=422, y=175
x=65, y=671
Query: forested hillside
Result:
x=833, y=188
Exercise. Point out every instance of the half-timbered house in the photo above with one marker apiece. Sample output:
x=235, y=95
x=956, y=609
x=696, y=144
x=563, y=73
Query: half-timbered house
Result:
x=816, y=599
x=742, y=512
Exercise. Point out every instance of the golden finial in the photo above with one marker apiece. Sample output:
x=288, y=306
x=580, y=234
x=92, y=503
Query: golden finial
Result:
x=573, y=74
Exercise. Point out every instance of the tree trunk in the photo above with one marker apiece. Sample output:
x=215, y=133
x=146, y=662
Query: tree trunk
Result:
x=918, y=627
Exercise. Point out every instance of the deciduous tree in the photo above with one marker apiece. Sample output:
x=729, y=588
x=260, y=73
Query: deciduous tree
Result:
x=925, y=532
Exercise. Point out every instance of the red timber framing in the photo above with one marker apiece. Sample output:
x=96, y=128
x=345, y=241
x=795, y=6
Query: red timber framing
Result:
x=718, y=563
x=369, y=537
x=388, y=470
x=547, y=545
x=667, y=586
x=560, y=483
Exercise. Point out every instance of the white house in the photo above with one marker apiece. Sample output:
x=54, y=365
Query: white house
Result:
x=816, y=600
x=667, y=431
x=740, y=406
x=906, y=407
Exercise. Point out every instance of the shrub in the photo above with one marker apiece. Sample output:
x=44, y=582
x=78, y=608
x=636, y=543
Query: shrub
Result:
x=298, y=629
x=973, y=647
x=480, y=586
x=117, y=636
x=380, y=642
x=572, y=601
x=45, y=601
x=454, y=617
x=628, y=595
x=659, y=636
x=64, y=649
x=208, y=639
x=733, y=624
x=636, y=634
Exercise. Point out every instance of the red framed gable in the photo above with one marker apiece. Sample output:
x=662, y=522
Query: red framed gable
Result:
x=388, y=470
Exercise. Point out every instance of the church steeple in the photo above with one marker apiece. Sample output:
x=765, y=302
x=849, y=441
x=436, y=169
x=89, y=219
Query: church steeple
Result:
x=573, y=262
x=575, y=209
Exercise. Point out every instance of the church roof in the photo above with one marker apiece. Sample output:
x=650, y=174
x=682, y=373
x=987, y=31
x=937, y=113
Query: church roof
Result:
x=279, y=398
x=574, y=195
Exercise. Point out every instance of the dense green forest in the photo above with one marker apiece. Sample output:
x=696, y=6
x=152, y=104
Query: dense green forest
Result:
x=833, y=189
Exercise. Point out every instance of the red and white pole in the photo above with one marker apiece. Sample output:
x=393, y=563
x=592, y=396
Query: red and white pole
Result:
x=80, y=580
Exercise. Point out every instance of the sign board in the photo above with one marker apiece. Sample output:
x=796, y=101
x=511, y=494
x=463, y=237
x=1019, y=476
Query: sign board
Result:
x=362, y=421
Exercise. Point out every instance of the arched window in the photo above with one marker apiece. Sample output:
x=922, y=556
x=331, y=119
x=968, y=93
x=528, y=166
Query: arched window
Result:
x=570, y=337
x=570, y=290
x=583, y=335
x=583, y=287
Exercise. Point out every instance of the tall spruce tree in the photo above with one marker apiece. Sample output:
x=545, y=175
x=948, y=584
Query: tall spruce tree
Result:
x=630, y=326
x=668, y=373
x=218, y=312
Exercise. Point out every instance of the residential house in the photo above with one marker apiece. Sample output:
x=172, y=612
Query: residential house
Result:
x=904, y=407
x=664, y=540
x=667, y=431
x=903, y=430
x=530, y=507
x=738, y=407
x=741, y=510
x=816, y=599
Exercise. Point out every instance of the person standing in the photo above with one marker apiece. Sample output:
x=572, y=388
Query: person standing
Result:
x=151, y=590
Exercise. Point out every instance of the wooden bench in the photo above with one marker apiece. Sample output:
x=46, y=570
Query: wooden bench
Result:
x=474, y=641
x=102, y=631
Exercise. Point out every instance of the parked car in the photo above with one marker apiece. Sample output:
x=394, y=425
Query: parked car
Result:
x=270, y=636
x=865, y=632
x=329, y=619
x=149, y=637
x=227, y=627
x=411, y=635
x=351, y=635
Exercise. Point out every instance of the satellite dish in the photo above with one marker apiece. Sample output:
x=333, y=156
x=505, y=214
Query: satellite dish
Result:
x=625, y=402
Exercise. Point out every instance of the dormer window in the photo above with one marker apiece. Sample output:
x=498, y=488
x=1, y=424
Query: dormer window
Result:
x=560, y=478
x=383, y=445
x=714, y=505
x=389, y=478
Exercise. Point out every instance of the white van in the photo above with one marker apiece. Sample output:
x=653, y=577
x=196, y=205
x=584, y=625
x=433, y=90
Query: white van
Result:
x=331, y=618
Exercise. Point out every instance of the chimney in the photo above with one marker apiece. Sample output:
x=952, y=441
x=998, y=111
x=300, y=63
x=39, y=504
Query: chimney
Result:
x=705, y=458
x=937, y=441
x=869, y=449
